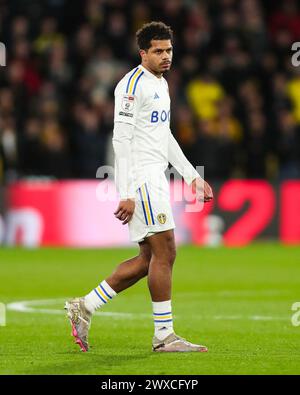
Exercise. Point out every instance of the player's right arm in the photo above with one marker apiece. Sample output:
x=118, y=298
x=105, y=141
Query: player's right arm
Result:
x=124, y=123
x=122, y=137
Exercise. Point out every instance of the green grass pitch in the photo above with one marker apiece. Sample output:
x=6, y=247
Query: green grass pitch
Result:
x=237, y=301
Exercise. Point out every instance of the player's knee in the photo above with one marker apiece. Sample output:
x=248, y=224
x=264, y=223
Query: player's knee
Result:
x=171, y=251
x=166, y=257
x=145, y=256
x=145, y=262
x=172, y=255
x=143, y=271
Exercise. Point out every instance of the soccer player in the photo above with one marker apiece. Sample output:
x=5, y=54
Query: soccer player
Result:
x=144, y=145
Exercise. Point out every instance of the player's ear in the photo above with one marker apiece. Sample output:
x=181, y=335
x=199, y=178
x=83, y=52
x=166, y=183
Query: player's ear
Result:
x=143, y=53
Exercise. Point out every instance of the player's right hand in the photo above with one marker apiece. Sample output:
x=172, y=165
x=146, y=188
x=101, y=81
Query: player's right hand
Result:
x=125, y=210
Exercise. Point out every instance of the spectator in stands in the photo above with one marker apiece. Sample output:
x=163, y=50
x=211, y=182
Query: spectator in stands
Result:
x=235, y=94
x=89, y=143
x=204, y=93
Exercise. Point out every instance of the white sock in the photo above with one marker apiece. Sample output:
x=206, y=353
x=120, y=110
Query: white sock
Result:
x=99, y=296
x=163, y=321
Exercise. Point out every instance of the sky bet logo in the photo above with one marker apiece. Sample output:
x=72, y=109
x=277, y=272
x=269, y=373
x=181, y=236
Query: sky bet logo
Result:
x=160, y=116
x=2, y=54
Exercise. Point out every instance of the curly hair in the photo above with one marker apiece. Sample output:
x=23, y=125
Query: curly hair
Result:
x=153, y=31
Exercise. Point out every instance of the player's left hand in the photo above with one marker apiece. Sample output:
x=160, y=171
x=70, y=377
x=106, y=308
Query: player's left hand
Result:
x=202, y=189
x=125, y=210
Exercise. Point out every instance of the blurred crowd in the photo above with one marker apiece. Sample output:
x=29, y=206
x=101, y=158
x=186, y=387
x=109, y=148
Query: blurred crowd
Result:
x=235, y=93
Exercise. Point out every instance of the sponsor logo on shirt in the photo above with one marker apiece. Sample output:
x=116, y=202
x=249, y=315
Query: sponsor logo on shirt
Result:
x=127, y=102
x=126, y=114
x=162, y=116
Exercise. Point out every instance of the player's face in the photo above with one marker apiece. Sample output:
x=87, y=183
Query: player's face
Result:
x=158, y=58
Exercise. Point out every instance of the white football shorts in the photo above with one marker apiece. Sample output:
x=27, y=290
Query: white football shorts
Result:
x=153, y=212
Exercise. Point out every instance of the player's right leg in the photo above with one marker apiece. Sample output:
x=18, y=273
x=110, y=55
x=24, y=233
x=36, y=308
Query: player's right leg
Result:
x=132, y=270
x=80, y=310
x=80, y=320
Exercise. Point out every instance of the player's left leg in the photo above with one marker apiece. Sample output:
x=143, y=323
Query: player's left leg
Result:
x=163, y=253
x=132, y=270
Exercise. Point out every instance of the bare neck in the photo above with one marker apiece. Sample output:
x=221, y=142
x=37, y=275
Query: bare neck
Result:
x=158, y=75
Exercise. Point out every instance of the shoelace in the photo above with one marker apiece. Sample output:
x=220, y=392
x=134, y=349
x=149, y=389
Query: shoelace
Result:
x=77, y=317
x=179, y=338
x=75, y=314
x=82, y=319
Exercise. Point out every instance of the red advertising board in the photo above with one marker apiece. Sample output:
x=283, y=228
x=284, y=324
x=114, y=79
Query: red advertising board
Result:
x=74, y=213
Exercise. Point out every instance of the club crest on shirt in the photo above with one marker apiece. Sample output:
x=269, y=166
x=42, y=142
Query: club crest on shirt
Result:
x=162, y=218
x=127, y=102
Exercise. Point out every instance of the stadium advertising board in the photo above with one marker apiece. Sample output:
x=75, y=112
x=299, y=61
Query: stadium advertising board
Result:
x=70, y=213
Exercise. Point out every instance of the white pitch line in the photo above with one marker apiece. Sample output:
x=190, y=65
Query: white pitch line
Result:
x=28, y=306
x=250, y=318
x=240, y=293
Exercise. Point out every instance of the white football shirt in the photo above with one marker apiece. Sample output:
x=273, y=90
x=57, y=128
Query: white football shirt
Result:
x=142, y=136
x=142, y=100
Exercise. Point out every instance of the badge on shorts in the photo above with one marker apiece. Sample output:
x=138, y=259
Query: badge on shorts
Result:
x=128, y=102
x=162, y=218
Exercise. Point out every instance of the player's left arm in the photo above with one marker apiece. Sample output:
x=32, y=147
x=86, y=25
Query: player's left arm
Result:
x=178, y=160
